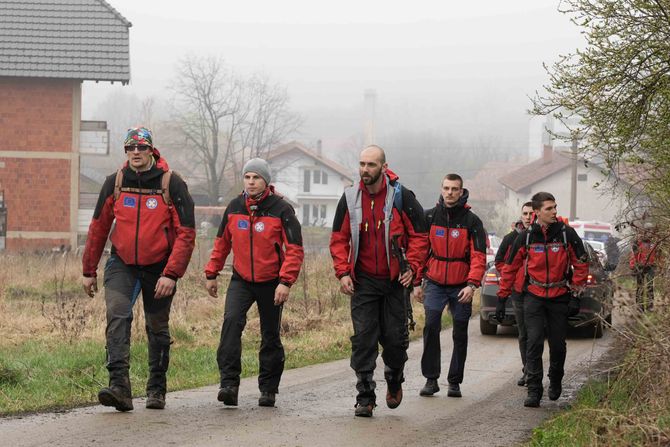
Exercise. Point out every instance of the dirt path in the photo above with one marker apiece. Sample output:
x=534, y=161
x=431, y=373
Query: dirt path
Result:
x=315, y=408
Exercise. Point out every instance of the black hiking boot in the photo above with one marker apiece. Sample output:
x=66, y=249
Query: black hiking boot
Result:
x=155, y=400
x=454, y=390
x=364, y=411
x=228, y=395
x=533, y=399
x=555, y=390
x=117, y=397
x=431, y=387
x=521, y=381
x=267, y=399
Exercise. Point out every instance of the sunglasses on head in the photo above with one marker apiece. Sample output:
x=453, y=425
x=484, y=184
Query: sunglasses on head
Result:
x=140, y=148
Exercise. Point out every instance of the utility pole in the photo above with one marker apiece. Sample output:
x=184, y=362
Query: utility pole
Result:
x=573, y=181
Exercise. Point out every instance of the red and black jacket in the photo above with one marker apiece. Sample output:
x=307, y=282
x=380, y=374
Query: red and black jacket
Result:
x=554, y=257
x=643, y=254
x=148, y=232
x=265, y=238
x=503, y=252
x=403, y=216
x=458, y=240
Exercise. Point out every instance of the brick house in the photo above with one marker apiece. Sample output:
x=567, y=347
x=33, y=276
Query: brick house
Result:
x=47, y=49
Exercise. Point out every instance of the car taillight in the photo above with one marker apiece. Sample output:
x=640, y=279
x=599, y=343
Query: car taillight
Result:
x=590, y=279
x=491, y=279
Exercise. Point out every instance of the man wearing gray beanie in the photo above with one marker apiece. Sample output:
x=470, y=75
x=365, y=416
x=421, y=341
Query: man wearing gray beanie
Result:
x=262, y=231
x=260, y=167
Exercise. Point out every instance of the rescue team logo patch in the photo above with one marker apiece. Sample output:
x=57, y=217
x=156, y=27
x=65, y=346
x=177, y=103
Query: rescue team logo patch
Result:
x=152, y=203
x=439, y=232
x=259, y=226
x=555, y=248
x=538, y=249
x=242, y=224
x=455, y=233
x=129, y=202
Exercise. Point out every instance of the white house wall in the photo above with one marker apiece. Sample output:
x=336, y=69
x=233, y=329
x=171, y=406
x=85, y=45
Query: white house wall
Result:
x=592, y=204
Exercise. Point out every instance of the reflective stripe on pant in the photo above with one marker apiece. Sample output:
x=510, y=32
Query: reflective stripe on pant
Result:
x=517, y=302
x=539, y=313
x=378, y=316
x=436, y=298
x=239, y=298
x=123, y=284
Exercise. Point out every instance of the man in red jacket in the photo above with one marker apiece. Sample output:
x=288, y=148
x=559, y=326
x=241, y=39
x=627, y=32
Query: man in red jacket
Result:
x=152, y=244
x=517, y=297
x=555, y=264
x=642, y=262
x=369, y=217
x=261, y=229
x=455, y=267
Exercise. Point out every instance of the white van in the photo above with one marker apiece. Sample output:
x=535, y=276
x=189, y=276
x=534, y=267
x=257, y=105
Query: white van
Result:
x=592, y=230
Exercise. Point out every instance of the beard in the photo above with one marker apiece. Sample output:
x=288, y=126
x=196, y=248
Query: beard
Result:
x=370, y=180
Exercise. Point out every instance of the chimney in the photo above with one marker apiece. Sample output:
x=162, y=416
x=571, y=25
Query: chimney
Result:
x=319, y=150
x=369, y=105
x=547, y=154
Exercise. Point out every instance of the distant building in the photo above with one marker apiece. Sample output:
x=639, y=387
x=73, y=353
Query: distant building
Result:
x=552, y=173
x=47, y=49
x=310, y=181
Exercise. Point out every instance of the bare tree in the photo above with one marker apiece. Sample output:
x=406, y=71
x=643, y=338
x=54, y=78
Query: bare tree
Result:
x=227, y=119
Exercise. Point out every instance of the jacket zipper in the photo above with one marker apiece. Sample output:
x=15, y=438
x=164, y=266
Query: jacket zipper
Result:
x=251, y=244
x=446, y=253
x=137, y=231
x=546, y=257
x=374, y=231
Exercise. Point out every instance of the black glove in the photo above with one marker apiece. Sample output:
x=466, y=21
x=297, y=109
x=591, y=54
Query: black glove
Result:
x=500, y=309
x=573, y=306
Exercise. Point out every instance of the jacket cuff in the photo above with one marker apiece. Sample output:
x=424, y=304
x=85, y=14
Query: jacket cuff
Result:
x=172, y=277
x=286, y=283
x=90, y=275
x=210, y=277
x=343, y=275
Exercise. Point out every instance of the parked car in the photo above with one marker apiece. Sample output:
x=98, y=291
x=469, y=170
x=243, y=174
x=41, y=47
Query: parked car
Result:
x=595, y=305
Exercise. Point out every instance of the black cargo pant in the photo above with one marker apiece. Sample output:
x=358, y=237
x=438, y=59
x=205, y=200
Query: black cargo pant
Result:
x=378, y=316
x=644, y=276
x=539, y=313
x=239, y=298
x=517, y=302
x=123, y=284
x=436, y=298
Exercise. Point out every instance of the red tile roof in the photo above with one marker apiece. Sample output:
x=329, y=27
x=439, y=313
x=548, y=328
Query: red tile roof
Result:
x=535, y=171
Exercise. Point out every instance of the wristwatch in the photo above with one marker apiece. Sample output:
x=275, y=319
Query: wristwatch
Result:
x=473, y=287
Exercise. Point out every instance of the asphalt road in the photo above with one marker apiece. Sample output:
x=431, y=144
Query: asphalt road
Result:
x=315, y=408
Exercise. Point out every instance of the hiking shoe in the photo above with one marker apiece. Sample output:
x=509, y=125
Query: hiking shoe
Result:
x=555, y=390
x=364, y=411
x=228, y=395
x=114, y=396
x=454, y=390
x=393, y=395
x=267, y=399
x=521, y=381
x=155, y=400
x=533, y=399
x=431, y=387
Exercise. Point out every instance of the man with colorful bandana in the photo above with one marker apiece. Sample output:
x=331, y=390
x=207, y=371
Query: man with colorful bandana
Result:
x=262, y=231
x=152, y=243
x=369, y=217
x=555, y=271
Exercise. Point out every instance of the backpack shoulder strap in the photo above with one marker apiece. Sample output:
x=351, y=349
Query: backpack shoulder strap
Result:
x=117, y=184
x=165, y=187
x=397, y=196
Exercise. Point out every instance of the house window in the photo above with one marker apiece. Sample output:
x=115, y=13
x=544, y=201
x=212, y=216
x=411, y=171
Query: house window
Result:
x=323, y=211
x=306, y=183
x=582, y=177
x=315, y=214
x=317, y=177
x=324, y=178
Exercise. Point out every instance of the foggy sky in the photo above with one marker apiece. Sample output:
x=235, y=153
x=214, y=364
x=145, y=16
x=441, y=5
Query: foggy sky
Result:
x=464, y=68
